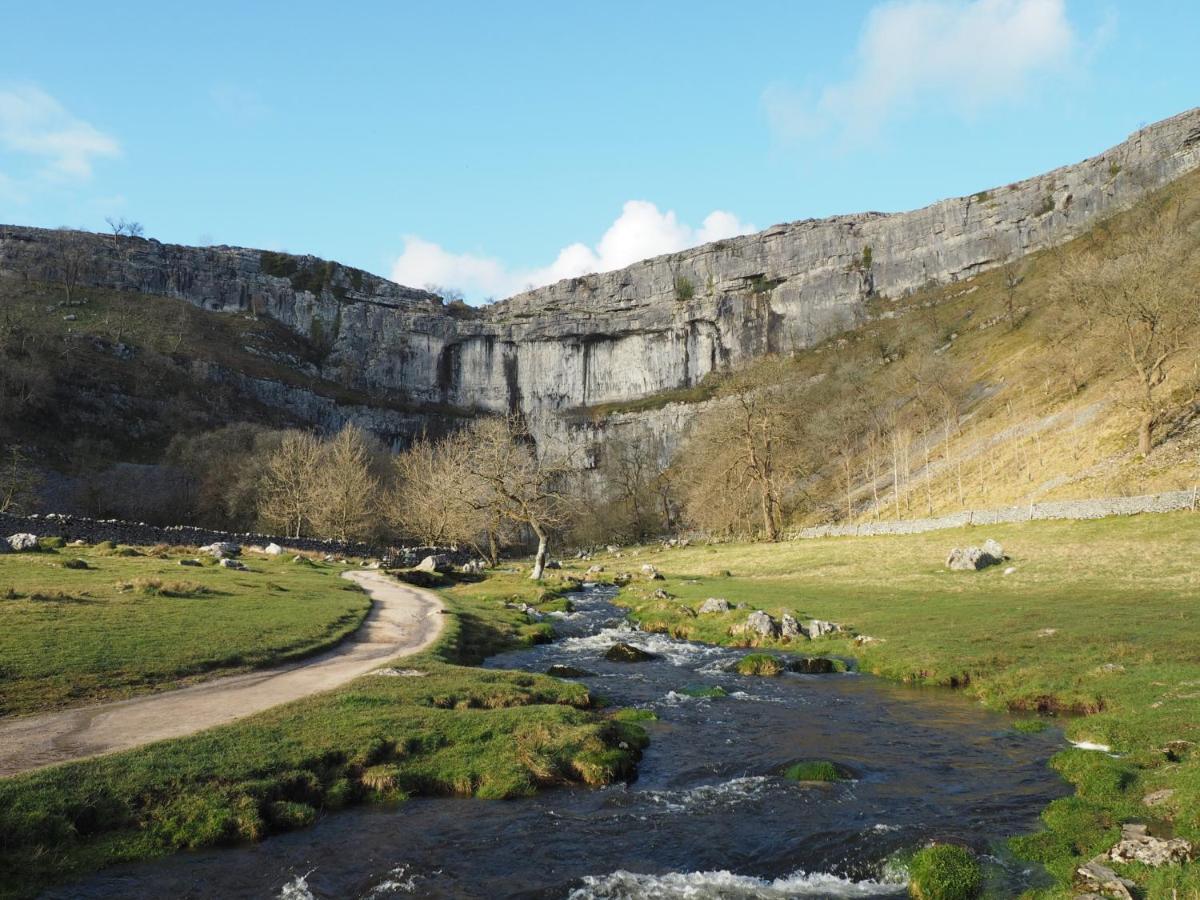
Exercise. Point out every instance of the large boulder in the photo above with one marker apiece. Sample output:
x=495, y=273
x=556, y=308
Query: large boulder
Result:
x=22, y=542
x=227, y=563
x=761, y=624
x=594, y=570
x=273, y=549
x=651, y=572
x=790, y=630
x=818, y=628
x=223, y=550
x=993, y=549
x=627, y=653
x=969, y=559
x=435, y=562
x=715, y=605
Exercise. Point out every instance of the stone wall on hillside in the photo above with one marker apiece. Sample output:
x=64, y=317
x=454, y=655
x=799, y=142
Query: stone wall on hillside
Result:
x=139, y=534
x=1096, y=508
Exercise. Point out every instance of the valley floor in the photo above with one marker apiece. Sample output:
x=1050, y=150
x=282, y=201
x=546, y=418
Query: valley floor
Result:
x=404, y=620
x=1097, y=624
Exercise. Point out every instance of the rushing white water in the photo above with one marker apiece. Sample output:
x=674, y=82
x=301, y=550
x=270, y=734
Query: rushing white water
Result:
x=725, y=885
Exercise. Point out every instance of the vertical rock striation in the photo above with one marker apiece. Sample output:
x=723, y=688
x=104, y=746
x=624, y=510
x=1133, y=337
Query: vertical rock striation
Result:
x=659, y=325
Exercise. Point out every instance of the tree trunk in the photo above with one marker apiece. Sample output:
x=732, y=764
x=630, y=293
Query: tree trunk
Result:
x=1146, y=434
x=768, y=511
x=493, y=552
x=539, y=561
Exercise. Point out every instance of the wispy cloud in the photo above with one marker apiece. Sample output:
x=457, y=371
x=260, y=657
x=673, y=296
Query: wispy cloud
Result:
x=59, y=146
x=931, y=53
x=641, y=231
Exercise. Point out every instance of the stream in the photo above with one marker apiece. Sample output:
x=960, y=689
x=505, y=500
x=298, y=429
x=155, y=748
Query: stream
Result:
x=707, y=817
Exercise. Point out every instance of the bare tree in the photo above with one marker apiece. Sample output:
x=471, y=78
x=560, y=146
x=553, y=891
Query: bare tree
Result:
x=748, y=448
x=288, y=494
x=122, y=227
x=18, y=483
x=522, y=483
x=631, y=473
x=71, y=252
x=435, y=497
x=346, y=491
x=1137, y=293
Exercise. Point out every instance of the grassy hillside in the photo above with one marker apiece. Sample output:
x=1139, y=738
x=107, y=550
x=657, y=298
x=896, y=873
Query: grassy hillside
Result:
x=996, y=390
x=1096, y=628
x=134, y=621
x=115, y=375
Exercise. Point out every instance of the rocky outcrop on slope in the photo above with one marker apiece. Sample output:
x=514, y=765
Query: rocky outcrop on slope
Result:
x=659, y=325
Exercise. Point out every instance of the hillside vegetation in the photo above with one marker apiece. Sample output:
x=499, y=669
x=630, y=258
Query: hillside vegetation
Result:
x=1070, y=373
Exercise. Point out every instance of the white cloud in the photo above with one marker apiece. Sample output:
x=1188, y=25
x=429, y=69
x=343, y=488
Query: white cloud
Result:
x=967, y=55
x=641, y=231
x=61, y=146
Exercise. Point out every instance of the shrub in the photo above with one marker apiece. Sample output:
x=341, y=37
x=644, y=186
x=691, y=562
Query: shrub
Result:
x=684, y=289
x=760, y=664
x=944, y=872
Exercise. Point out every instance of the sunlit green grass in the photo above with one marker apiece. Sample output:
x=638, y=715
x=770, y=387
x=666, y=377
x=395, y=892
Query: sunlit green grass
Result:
x=455, y=730
x=132, y=624
x=1099, y=625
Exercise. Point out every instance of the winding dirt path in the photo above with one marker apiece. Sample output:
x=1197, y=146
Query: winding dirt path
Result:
x=402, y=620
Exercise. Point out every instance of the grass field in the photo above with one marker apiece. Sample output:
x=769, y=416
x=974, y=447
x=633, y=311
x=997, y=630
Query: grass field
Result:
x=1099, y=624
x=455, y=730
x=130, y=624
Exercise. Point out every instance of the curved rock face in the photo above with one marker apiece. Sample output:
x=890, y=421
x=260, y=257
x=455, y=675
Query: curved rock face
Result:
x=658, y=325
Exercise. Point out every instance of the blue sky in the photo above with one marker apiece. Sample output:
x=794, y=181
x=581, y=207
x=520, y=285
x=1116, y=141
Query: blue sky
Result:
x=489, y=146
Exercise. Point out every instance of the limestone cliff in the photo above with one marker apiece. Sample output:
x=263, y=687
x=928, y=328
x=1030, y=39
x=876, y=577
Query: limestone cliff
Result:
x=658, y=325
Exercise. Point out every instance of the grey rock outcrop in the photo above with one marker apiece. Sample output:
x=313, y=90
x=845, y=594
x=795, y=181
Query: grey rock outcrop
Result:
x=819, y=628
x=1138, y=845
x=715, y=605
x=761, y=624
x=435, y=562
x=969, y=559
x=22, y=542
x=613, y=337
x=790, y=630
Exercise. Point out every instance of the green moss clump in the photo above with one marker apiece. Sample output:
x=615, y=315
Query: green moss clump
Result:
x=52, y=543
x=813, y=770
x=944, y=872
x=633, y=714
x=817, y=665
x=703, y=691
x=760, y=664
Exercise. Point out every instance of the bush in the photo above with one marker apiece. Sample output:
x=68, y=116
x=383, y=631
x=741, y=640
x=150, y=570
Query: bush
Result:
x=684, y=289
x=760, y=664
x=944, y=872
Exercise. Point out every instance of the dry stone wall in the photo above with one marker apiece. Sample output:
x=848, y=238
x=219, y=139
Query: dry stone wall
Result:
x=1098, y=508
